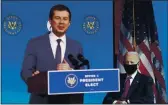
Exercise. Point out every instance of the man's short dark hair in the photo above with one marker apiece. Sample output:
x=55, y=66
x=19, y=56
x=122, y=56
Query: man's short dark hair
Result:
x=59, y=7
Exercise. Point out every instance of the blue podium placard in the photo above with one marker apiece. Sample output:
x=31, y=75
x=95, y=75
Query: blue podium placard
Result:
x=83, y=81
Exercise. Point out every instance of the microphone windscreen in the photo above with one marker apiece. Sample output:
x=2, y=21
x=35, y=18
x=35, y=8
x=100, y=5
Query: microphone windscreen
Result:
x=80, y=57
x=72, y=60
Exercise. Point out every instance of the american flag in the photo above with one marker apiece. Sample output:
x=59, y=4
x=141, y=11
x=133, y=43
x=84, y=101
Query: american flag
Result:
x=135, y=30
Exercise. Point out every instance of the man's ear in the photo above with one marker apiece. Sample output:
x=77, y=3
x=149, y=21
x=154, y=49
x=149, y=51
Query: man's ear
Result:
x=49, y=20
x=138, y=64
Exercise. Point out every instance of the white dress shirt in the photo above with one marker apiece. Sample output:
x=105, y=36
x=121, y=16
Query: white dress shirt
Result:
x=132, y=77
x=53, y=42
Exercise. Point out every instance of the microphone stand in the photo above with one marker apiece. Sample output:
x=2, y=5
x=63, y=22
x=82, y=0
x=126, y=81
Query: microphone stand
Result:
x=83, y=64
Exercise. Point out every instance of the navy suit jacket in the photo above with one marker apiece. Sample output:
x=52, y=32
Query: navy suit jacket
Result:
x=39, y=56
x=140, y=91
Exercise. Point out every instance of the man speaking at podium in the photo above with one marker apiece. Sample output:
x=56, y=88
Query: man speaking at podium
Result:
x=135, y=88
x=50, y=52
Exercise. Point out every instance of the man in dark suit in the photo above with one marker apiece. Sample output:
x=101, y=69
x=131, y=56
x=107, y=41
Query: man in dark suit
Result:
x=50, y=52
x=135, y=88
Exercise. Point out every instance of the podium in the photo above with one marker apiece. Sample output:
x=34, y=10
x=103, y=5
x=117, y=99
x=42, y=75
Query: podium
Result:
x=39, y=85
x=70, y=85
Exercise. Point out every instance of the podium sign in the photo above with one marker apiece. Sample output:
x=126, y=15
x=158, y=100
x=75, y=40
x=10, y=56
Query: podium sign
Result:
x=83, y=81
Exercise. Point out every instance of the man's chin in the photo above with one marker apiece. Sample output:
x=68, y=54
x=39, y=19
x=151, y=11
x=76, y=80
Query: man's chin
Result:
x=60, y=33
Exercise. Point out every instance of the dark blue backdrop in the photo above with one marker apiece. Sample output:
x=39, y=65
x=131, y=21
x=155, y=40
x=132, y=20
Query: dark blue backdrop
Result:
x=98, y=48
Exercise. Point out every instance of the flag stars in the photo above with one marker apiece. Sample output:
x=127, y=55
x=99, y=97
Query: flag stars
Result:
x=137, y=25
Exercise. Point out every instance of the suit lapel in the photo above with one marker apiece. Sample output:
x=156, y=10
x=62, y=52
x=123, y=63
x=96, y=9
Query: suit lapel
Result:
x=67, y=50
x=49, y=53
x=134, y=84
x=48, y=47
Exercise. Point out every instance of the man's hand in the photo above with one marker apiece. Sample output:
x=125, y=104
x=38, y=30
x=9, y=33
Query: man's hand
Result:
x=119, y=102
x=35, y=73
x=63, y=66
x=124, y=102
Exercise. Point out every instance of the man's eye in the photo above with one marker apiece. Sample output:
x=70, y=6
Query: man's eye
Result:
x=65, y=18
x=57, y=18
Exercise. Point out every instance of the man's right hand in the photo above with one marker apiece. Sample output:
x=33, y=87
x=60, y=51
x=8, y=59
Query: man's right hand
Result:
x=119, y=102
x=35, y=73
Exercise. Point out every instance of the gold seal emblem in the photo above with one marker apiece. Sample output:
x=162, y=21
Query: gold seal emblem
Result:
x=91, y=25
x=71, y=80
x=12, y=24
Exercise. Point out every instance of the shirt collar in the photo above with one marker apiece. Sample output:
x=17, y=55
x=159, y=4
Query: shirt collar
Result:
x=133, y=75
x=53, y=37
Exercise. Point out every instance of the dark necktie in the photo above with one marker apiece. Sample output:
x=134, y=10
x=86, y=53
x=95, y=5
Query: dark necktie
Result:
x=58, y=52
x=126, y=87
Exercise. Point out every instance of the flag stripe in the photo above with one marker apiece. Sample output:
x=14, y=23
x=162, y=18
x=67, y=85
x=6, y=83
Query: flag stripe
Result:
x=157, y=74
x=126, y=43
x=146, y=63
x=157, y=52
x=118, y=17
x=160, y=78
x=151, y=62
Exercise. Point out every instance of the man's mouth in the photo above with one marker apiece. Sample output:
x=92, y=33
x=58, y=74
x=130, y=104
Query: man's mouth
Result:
x=60, y=27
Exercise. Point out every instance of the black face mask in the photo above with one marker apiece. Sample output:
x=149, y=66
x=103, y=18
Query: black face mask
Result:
x=130, y=69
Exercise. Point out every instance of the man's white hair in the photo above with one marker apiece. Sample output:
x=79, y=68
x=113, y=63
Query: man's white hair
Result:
x=133, y=53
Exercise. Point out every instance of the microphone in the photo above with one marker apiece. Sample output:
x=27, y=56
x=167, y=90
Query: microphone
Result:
x=83, y=60
x=73, y=61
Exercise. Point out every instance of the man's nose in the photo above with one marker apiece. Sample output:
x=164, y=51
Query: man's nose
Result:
x=61, y=21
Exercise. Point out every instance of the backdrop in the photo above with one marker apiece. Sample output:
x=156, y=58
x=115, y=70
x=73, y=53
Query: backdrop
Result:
x=98, y=47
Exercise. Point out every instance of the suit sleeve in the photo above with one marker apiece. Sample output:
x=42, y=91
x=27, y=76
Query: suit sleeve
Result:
x=111, y=97
x=29, y=62
x=148, y=98
x=108, y=99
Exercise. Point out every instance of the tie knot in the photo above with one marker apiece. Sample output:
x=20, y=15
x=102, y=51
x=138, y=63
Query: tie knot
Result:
x=129, y=77
x=58, y=41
